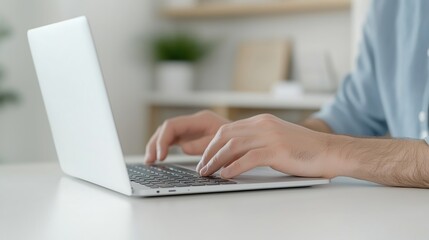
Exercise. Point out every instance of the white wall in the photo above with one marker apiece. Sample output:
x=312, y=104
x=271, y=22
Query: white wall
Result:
x=117, y=27
x=24, y=130
x=325, y=31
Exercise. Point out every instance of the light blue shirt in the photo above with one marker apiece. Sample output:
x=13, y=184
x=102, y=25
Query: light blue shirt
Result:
x=388, y=91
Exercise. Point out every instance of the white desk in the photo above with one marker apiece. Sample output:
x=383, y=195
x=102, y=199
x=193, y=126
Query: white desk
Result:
x=38, y=202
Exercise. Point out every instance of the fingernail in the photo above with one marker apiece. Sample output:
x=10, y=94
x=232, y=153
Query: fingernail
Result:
x=199, y=166
x=204, y=171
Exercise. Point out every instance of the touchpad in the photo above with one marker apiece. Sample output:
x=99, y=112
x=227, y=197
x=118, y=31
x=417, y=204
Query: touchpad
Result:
x=256, y=175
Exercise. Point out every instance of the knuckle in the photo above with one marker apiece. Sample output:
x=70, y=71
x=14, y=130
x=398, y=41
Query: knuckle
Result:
x=214, y=160
x=266, y=116
x=167, y=124
x=267, y=120
x=237, y=144
x=234, y=143
x=276, y=134
x=205, y=112
x=253, y=154
x=223, y=130
x=238, y=165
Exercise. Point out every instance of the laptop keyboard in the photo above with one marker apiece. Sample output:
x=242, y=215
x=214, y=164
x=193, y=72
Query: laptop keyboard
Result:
x=167, y=176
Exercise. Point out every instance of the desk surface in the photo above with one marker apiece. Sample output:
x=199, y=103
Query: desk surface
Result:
x=38, y=202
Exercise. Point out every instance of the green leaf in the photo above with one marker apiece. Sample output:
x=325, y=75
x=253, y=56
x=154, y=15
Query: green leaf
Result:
x=179, y=47
x=8, y=97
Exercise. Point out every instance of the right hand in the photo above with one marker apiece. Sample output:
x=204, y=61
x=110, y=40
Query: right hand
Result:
x=192, y=133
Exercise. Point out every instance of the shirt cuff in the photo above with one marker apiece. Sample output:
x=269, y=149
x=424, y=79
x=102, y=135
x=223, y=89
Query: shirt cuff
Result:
x=334, y=119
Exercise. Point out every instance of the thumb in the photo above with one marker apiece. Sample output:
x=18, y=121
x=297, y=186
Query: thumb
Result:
x=197, y=146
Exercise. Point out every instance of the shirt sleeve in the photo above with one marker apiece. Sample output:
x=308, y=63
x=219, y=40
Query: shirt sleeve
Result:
x=357, y=109
x=427, y=140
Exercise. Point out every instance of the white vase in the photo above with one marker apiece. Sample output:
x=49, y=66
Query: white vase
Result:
x=175, y=77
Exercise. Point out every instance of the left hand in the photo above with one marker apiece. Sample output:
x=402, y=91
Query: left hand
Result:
x=265, y=140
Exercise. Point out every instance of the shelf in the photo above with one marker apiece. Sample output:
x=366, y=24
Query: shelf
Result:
x=232, y=105
x=239, y=100
x=271, y=7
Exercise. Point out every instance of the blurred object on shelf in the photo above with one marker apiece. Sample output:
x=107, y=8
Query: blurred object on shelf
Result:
x=175, y=77
x=317, y=73
x=179, y=3
x=261, y=64
x=6, y=96
x=213, y=2
x=176, y=55
x=285, y=89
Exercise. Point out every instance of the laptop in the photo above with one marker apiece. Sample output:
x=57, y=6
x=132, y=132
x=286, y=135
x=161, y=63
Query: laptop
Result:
x=84, y=131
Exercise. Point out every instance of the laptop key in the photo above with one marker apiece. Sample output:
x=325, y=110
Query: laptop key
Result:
x=169, y=176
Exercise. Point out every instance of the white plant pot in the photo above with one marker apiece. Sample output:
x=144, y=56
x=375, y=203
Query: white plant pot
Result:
x=175, y=77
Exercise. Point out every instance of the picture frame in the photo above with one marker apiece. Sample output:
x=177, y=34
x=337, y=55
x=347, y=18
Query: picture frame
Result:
x=260, y=64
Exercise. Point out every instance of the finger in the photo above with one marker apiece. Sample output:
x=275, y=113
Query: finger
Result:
x=150, y=156
x=254, y=158
x=195, y=147
x=175, y=128
x=223, y=135
x=230, y=152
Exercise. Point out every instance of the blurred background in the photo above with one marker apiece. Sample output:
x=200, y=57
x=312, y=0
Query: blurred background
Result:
x=172, y=57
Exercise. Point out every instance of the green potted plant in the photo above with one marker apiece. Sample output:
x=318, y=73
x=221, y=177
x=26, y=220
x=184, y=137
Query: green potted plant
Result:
x=6, y=96
x=175, y=55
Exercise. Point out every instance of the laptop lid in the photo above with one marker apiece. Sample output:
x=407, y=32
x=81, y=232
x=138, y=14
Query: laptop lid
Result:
x=77, y=104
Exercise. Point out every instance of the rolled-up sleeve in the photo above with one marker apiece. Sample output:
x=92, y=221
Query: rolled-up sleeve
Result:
x=357, y=109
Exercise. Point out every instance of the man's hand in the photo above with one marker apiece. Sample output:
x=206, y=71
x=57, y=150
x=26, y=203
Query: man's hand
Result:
x=193, y=133
x=265, y=140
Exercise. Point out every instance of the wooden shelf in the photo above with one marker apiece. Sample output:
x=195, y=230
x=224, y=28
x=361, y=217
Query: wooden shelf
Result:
x=231, y=104
x=271, y=7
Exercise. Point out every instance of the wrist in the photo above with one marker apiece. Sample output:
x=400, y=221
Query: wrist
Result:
x=338, y=149
x=394, y=162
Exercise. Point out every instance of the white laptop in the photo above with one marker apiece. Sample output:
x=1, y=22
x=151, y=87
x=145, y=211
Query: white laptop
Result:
x=84, y=131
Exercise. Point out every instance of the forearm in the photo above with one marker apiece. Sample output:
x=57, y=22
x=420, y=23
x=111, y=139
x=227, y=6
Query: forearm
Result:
x=393, y=162
x=316, y=125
